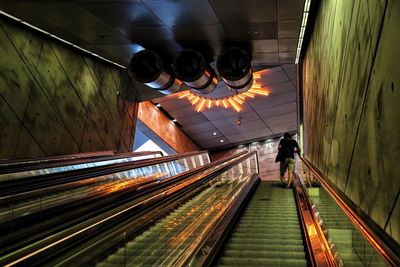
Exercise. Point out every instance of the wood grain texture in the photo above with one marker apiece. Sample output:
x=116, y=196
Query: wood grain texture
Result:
x=351, y=95
x=153, y=118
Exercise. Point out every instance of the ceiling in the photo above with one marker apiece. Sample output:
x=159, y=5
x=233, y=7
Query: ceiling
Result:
x=116, y=29
x=261, y=117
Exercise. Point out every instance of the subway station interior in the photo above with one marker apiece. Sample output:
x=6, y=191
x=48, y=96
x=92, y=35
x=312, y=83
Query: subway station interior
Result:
x=199, y=133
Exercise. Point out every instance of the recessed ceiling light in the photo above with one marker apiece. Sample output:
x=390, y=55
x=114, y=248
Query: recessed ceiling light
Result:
x=214, y=133
x=222, y=140
x=174, y=120
x=158, y=105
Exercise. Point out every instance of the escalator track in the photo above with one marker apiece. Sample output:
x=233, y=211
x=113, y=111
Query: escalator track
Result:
x=268, y=232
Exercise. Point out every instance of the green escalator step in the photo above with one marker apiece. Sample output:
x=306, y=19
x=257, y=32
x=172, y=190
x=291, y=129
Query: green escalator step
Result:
x=271, y=247
x=262, y=262
x=264, y=254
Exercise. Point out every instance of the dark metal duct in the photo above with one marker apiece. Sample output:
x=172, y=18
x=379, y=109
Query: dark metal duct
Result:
x=234, y=66
x=148, y=68
x=190, y=66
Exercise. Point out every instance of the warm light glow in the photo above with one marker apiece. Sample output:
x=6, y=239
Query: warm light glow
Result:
x=249, y=94
x=184, y=95
x=209, y=103
x=238, y=100
x=256, y=86
x=200, y=106
x=225, y=103
x=234, y=105
x=259, y=92
x=256, y=76
x=234, y=101
x=195, y=100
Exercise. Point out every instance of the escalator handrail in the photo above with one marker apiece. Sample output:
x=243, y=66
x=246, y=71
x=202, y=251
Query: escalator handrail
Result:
x=317, y=246
x=382, y=242
x=11, y=162
x=82, y=230
x=11, y=187
x=132, y=192
x=66, y=161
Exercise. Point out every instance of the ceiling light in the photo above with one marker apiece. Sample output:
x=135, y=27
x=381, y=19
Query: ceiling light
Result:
x=302, y=29
x=222, y=140
x=158, y=105
x=214, y=133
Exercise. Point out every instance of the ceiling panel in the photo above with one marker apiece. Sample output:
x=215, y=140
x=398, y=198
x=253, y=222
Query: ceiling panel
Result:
x=123, y=13
x=243, y=11
x=288, y=29
x=266, y=27
x=261, y=30
x=188, y=12
x=281, y=119
x=116, y=29
x=289, y=9
x=262, y=117
x=273, y=100
x=277, y=110
x=196, y=118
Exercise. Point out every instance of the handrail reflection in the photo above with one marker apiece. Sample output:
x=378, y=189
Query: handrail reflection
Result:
x=384, y=250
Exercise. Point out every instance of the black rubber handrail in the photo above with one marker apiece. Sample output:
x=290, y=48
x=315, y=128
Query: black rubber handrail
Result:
x=61, y=161
x=35, y=254
x=11, y=162
x=11, y=187
x=388, y=248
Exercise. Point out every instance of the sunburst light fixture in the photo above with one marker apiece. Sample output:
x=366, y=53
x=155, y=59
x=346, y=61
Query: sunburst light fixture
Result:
x=234, y=101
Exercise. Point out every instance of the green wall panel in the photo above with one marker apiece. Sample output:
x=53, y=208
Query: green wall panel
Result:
x=56, y=100
x=15, y=78
x=375, y=169
x=27, y=146
x=9, y=131
x=351, y=95
x=58, y=89
x=45, y=126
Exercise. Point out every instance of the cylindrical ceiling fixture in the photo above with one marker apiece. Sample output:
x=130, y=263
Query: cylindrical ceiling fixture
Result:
x=190, y=66
x=148, y=68
x=235, y=68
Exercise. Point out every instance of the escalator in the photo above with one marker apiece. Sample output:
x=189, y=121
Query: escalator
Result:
x=32, y=215
x=221, y=215
x=352, y=247
x=178, y=216
x=268, y=233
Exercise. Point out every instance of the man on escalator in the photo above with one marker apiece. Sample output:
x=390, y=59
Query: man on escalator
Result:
x=286, y=149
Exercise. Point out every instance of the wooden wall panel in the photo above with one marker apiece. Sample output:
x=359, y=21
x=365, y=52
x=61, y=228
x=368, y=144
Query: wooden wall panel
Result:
x=153, y=118
x=58, y=100
x=351, y=111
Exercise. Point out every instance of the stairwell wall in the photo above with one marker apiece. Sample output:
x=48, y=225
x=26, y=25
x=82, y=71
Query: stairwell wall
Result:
x=56, y=100
x=351, y=90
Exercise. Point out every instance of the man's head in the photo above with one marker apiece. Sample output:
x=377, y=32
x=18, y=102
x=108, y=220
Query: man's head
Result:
x=287, y=136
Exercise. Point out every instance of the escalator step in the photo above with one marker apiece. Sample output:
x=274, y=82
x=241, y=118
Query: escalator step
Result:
x=272, y=247
x=261, y=262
